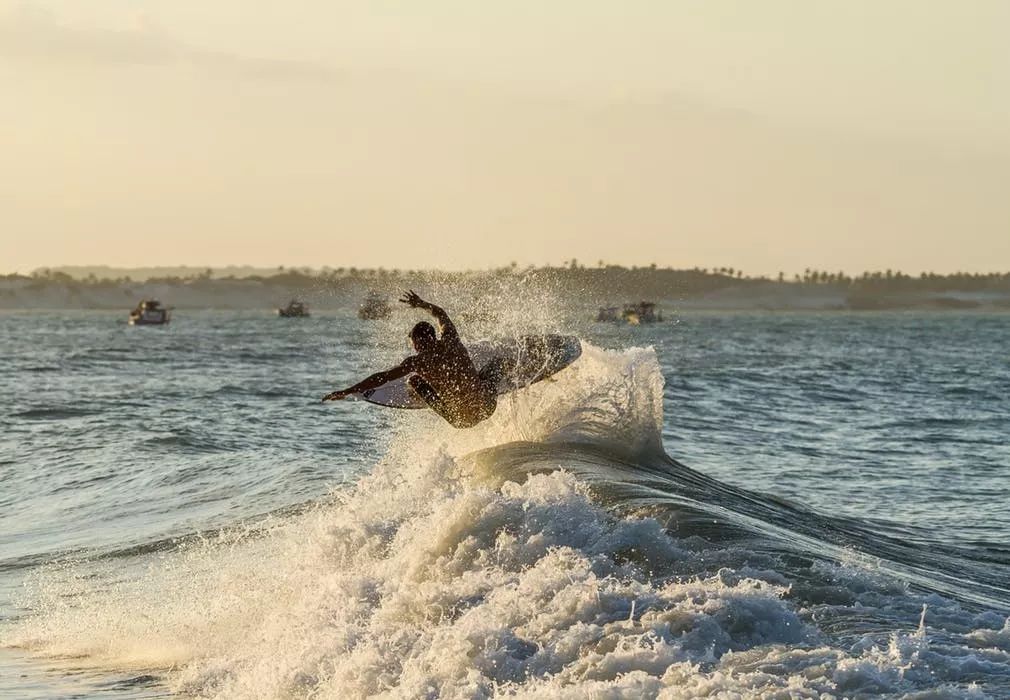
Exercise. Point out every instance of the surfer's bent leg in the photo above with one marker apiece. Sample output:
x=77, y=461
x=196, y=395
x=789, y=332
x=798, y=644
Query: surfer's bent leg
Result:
x=427, y=392
x=457, y=416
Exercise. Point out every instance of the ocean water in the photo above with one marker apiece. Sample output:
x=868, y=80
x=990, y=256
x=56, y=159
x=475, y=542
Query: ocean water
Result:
x=724, y=505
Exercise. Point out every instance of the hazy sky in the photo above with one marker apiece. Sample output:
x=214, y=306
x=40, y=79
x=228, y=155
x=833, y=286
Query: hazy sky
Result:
x=447, y=133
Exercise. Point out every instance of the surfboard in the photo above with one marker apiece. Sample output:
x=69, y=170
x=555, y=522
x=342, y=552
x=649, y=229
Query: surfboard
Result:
x=528, y=359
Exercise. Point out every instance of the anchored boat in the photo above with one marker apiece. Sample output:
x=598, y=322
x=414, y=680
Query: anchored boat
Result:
x=641, y=312
x=149, y=312
x=294, y=309
x=633, y=314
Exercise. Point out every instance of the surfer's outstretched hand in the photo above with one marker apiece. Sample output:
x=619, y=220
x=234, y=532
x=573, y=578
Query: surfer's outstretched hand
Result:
x=335, y=396
x=412, y=299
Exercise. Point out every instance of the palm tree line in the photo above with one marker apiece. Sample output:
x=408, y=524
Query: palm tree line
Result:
x=877, y=280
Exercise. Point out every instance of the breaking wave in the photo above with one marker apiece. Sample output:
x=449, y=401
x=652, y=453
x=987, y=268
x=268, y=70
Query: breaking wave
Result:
x=554, y=551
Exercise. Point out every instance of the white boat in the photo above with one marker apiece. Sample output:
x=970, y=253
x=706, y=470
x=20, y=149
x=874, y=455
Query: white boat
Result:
x=149, y=312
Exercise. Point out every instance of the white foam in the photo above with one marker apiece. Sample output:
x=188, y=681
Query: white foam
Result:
x=424, y=581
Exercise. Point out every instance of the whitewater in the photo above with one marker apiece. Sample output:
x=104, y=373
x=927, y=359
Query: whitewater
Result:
x=555, y=551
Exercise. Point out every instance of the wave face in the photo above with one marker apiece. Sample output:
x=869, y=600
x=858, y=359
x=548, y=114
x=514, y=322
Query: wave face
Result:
x=555, y=551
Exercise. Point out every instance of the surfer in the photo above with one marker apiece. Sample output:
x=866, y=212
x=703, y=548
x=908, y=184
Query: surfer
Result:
x=442, y=372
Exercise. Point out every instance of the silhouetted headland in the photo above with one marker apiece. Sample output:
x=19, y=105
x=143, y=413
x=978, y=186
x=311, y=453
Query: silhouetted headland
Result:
x=592, y=286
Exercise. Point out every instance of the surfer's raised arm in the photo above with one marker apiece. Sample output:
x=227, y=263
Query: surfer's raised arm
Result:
x=374, y=381
x=412, y=299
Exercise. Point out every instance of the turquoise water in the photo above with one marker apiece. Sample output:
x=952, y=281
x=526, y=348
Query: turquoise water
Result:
x=795, y=503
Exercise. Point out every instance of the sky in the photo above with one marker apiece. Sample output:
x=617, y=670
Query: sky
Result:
x=765, y=136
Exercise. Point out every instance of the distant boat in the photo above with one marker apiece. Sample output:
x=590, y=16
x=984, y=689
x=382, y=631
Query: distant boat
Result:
x=633, y=314
x=294, y=309
x=608, y=314
x=149, y=312
x=374, y=307
x=641, y=312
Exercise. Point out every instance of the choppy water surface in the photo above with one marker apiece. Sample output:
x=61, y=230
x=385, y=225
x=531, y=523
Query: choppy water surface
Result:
x=814, y=505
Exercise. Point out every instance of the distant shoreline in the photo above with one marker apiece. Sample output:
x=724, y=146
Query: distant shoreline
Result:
x=695, y=289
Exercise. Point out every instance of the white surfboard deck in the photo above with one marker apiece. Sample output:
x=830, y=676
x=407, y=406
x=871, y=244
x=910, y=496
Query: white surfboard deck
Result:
x=530, y=359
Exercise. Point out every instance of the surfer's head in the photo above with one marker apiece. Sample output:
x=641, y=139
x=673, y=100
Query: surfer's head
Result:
x=423, y=336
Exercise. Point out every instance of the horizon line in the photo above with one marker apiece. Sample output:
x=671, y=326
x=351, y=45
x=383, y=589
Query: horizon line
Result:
x=567, y=265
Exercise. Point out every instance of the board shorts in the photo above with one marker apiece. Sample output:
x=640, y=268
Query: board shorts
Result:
x=489, y=377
